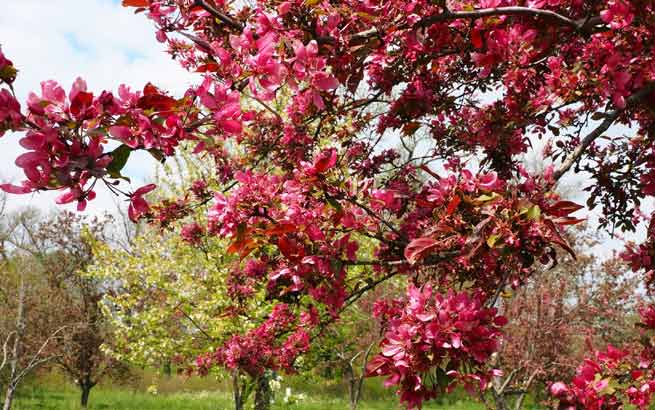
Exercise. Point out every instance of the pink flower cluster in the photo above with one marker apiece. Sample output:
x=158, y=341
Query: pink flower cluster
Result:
x=433, y=337
x=67, y=135
x=613, y=378
x=261, y=348
x=488, y=229
x=10, y=115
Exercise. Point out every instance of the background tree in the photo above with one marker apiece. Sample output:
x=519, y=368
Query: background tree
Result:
x=560, y=314
x=28, y=329
x=67, y=240
x=55, y=298
x=172, y=300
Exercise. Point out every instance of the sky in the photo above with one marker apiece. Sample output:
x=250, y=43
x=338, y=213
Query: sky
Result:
x=98, y=40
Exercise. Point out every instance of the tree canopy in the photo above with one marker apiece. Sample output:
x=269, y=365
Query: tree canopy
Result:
x=402, y=123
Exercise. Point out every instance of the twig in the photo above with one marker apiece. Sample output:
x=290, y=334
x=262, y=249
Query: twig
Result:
x=207, y=335
x=33, y=361
x=610, y=117
x=578, y=25
x=219, y=15
x=370, y=212
x=4, y=350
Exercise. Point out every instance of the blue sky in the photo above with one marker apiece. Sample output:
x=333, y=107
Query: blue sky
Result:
x=98, y=40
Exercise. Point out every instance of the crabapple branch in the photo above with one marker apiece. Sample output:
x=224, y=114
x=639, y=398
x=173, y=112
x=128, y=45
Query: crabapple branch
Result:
x=610, y=117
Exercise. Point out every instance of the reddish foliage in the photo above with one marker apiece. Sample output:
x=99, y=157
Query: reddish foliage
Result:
x=304, y=170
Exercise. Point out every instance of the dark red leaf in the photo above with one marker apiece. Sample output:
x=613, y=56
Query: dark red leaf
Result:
x=568, y=220
x=476, y=38
x=207, y=67
x=418, y=248
x=80, y=103
x=242, y=246
x=136, y=3
x=280, y=229
x=150, y=89
x=157, y=102
x=563, y=208
x=453, y=204
x=557, y=238
x=290, y=248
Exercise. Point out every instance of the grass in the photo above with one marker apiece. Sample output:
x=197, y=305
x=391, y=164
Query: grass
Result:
x=52, y=392
x=121, y=399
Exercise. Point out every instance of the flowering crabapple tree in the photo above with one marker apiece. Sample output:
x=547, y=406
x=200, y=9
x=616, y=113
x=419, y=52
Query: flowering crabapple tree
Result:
x=557, y=314
x=301, y=104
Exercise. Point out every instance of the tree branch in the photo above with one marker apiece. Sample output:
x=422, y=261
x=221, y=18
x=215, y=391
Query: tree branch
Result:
x=207, y=335
x=610, y=117
x=376, y=216
x=219, y=15
x=507, y=381
x=582, y=25
x=4, y=350
x=359, y=292
x=34, y=361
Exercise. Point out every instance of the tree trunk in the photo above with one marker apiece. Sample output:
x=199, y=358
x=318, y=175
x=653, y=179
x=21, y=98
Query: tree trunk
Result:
x=498, y=390
x=352, y=385
x=168, y=371
x=355, y=382
x=236, y=389
x=354, y=400
x=262, y=393
x=84, y=398
x=9, y=397
x=519, y=401
x=501, y=403
x=17, y=348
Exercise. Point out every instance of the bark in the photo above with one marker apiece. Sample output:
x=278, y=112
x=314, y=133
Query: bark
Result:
x=501, y=403
x=354, y=385
x=168, y=371
x=528, y=384
x=499, y=385
x=236, y=389
x=84, y=398
x=86, y=384
x=262, y=393
x=16, y=350
x=350, y=379
x=9, y=397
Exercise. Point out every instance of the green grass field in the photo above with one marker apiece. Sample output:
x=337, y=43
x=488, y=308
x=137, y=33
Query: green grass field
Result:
x=52, y=392
x=116, y=399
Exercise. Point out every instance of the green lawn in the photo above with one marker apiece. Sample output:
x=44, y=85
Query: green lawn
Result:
x=116, y=399
x=52, y=391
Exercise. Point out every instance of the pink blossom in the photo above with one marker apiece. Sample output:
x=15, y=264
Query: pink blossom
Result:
x=138, y=205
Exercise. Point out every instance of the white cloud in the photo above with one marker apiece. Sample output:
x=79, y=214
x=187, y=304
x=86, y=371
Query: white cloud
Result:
x=98, y=40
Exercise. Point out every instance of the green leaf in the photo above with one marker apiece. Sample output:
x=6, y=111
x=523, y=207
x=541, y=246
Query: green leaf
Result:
x=492, y=239
x=607, y=390
x=157, y=154
x=335, y=204
x=487, y=197
x=8, y=73
x=119, y=159
x=534, y=212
